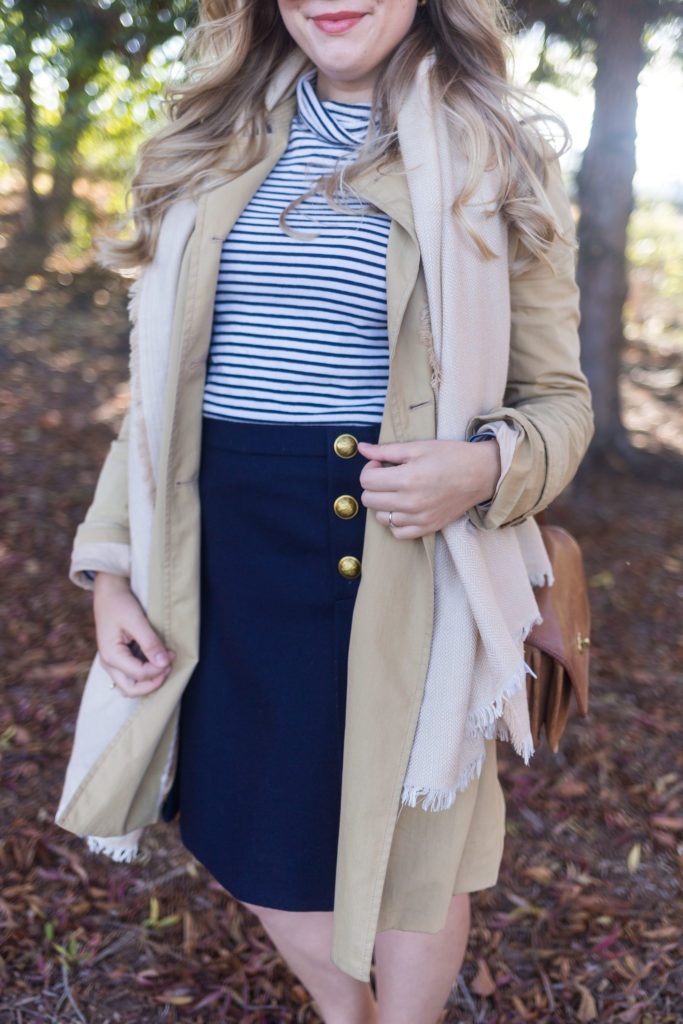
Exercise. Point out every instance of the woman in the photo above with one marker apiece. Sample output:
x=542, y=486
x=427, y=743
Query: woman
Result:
x=357, y=259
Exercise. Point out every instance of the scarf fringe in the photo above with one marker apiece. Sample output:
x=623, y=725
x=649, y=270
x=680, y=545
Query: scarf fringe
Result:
x=482, y=720
x=544, y=579
x=442, y=799
x=121, y=854
x=488, y=722
x=527, y=629
x=525, y=749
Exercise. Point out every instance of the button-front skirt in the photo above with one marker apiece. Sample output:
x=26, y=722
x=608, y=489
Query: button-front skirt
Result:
x=262, y=719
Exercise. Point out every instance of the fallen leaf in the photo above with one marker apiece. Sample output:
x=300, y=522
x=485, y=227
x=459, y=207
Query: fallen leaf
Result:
x=633, y=1014
x=540, y=873
x=175, y=997
x=571, y=787
x=483, y=984
x=521, y=1009
x=669, y=932
x=633, y=859
x=587, y=1010
x=667, y=823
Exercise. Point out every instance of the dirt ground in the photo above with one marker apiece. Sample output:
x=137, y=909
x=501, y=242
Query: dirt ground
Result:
x=585, y=923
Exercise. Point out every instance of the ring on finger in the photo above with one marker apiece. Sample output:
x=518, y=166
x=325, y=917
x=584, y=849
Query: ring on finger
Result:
x=391, y=519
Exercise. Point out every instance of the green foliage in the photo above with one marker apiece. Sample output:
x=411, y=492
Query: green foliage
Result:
x=81, y=84
x=82, y=80
x=574, y=23
x=656, y=244
x=69, y=953
x=122, y=111
x=575, y=20
x=155, y=921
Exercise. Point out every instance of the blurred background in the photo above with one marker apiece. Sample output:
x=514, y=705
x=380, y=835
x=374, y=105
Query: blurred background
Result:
x=585, y=923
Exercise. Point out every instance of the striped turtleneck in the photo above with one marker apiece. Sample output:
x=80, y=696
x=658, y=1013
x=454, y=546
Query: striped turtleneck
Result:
x=300, y=323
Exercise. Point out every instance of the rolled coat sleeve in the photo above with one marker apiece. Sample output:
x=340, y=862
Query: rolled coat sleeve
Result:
x=547, y=397
x=102, y=541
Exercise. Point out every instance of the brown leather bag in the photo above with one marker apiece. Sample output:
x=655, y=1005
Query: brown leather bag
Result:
x=557, y=650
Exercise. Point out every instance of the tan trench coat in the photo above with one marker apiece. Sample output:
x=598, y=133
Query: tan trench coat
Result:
x=394, y=869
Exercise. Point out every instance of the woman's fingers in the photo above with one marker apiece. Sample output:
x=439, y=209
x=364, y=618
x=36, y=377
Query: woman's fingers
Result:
x=376, y=478
x=386, y=501
x=409, y=532
x=146, y=639
x=132, y=687
x=374, y=475
x=129, y=647
x=405, y=474
x=394, y=519
x=395, y=451
x=402, y=525
x=117, y=653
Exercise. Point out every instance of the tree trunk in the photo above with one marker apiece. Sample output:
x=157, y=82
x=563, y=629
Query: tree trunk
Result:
x=606, y=199
x=64, y=139
x=34, y=207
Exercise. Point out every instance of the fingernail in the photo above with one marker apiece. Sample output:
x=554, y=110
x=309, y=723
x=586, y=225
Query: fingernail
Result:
x=161, y=659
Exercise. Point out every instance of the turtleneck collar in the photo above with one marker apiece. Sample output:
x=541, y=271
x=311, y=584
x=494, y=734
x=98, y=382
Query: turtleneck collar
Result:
x=344, y=124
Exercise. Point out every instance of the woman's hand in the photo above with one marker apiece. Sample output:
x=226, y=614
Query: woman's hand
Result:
x=428, y=484
x=122, y=627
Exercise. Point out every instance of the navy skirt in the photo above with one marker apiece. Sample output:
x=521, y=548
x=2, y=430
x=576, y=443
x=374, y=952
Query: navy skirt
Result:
x=261, y=729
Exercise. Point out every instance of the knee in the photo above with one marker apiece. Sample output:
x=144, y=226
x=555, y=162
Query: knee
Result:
x=264, y=914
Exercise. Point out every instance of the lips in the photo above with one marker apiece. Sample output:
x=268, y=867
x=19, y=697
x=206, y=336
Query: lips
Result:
x=338, y=22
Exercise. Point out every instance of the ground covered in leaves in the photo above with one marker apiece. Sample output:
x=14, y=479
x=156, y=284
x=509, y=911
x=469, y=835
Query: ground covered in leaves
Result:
x=585, y=923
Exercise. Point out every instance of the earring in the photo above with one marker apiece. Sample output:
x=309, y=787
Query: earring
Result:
x=421, y=3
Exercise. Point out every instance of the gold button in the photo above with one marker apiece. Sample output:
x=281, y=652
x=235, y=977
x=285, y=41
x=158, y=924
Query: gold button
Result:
x=346, y=446
x=346, y=506
x=349, y=567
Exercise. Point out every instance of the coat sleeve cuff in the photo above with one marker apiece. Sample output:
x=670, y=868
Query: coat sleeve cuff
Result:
x=523, y=469
x=102, y=556
x=506, y=435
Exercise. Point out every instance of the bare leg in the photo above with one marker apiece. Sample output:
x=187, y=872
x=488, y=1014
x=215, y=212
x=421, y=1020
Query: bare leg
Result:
x=416, y=971
x=304, y=941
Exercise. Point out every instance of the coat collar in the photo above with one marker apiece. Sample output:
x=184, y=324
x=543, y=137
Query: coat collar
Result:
x=224, y=203
x=386, y=189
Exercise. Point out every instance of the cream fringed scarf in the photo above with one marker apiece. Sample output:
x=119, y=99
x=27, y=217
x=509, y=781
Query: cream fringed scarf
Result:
x=484, y=602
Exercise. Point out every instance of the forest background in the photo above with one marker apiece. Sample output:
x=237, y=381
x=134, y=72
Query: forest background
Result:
x=585, y=924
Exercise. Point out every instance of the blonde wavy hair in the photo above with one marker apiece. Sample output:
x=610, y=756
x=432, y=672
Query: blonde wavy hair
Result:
x=233, y=54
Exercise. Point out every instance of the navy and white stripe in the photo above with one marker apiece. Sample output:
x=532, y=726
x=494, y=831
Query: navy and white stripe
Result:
x=300, y=324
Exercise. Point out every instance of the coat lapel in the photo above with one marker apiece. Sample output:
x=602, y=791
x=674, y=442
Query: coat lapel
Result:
x=388, y=191
x=226, y=202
